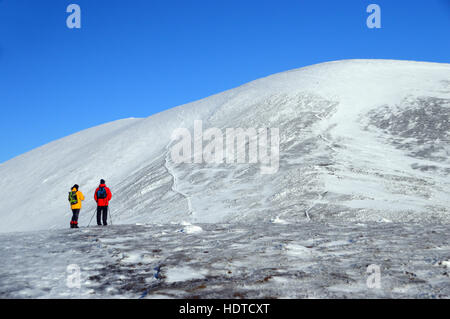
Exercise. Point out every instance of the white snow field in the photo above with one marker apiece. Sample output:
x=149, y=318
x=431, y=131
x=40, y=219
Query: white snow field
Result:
x=364, y=178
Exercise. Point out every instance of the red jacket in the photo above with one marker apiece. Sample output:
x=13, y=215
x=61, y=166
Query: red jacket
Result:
x=103, y=201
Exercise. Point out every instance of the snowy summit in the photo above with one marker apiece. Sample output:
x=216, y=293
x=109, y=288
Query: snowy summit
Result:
x=360, y=140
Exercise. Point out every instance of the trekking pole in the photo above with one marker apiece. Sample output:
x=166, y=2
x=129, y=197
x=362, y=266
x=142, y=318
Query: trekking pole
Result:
x=70, y=209
x=110, y=217
x=92, y=217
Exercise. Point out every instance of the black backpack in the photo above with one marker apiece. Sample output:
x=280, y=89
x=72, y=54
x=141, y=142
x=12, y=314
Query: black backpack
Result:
x=101, y=193
x=73, y=199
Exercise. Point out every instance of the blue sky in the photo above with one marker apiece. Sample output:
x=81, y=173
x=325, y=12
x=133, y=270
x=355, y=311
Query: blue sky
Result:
x=138, y=57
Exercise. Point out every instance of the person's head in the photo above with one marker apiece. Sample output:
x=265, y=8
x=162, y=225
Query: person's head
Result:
x=76, y=186
x=102, y=181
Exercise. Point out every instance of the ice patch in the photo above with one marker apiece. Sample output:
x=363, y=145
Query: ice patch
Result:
x=184, y=273
x=335, y=243
x=280, y=280
x=300, y=251
x=135, y=258
x=190, y=229
x=278, y=220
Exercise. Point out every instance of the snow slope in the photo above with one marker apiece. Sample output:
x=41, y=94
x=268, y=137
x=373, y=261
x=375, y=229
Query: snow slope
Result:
x=360, y=140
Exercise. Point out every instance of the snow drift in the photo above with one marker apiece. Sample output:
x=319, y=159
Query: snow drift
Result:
x=360, y=140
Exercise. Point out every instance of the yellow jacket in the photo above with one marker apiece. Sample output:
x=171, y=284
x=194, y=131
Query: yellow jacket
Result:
x=80, y=197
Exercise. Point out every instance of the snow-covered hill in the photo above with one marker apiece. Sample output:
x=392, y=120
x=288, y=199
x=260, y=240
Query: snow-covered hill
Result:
x=360, y=140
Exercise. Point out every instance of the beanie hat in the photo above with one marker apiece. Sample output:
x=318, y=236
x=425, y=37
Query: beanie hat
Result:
x=102, y=181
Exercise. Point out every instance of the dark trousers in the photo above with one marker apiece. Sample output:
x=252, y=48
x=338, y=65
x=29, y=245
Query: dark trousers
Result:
x=74, y=221
x=102, y=215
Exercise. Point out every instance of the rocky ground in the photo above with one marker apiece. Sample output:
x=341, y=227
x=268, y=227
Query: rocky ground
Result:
x=266, y=260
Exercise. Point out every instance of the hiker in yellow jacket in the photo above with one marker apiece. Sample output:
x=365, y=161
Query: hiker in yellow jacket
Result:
x=75, y=199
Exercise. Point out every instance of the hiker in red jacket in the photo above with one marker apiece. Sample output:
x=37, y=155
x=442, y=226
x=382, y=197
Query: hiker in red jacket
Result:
x=102, y=197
